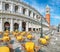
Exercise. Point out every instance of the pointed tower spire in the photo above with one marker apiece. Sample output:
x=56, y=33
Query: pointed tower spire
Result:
x=47, y=6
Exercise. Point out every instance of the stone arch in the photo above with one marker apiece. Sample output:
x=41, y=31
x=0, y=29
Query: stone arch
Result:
x=6, y=26
x=23, y=26
x=16, y=26
x=6, y=6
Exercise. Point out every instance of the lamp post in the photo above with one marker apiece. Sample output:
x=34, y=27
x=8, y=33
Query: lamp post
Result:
x=58, y=27
x=41, y=29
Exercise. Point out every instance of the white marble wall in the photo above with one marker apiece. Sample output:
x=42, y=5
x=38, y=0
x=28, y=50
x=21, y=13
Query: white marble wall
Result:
x=20, y=10
x=0, y=5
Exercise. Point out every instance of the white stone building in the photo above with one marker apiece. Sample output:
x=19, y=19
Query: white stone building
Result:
x=15, y=14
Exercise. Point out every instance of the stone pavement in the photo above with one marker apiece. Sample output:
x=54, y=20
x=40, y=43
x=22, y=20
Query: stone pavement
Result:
x=54, y=45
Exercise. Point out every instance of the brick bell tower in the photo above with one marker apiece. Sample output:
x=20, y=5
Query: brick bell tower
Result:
x=48, y=14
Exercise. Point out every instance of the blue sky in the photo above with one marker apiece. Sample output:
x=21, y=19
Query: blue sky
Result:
x=54, y=5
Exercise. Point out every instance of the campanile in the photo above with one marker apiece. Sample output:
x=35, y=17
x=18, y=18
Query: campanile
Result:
x=48, y=14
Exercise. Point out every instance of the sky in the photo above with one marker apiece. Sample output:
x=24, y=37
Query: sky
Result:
x=40, y=5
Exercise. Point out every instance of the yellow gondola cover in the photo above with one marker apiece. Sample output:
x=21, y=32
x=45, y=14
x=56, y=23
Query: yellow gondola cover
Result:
x=19, y=37
x=4, y=49
x=43, y=41
x=47, y=37
x=5, y=38
x=6, y=34
x=14, y=33
x=29, y=36
x=29, y=46
x=7, y=31
x=23, y=33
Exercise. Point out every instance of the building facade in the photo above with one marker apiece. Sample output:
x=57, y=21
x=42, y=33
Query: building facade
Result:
x=15, y=14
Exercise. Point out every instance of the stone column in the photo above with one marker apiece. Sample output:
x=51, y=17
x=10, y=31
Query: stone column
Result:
x=31, y=14
x=31, y=26
x=11, y=25
x=27, y=12
x=0, y=5
x=27, y=26
x=3, y=6
x=11, y=7
x=20, y=9
x=1, y=25
x=35, y=16
x=35, y=29
x=20, y=25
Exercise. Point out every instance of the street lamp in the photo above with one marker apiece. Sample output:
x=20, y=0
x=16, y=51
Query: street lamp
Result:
x=58, y=27
x=41, y=29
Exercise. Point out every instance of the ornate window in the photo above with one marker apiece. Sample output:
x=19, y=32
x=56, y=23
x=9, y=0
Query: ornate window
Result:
x=33, y=15
x=29, y=29
x=6, y=26
x=33, y=29
x=16, y=8
x=16, y=26
x=37, y=29
x=24, y=10
x=29, y=13
x=47, y=11
x=7, y=6
x=37, y=16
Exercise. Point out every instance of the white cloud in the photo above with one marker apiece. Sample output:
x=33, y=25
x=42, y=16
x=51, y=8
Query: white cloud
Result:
x=42, y=10
x=56, y=17
x=39, y=8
